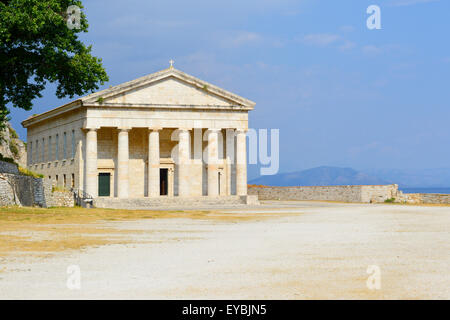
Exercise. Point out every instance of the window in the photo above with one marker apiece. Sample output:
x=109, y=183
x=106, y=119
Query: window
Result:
x=30, y=153
x=50, y=158
x=57, y=147
x=56, y=179
x=65, y=146
x=37, y=150
x=73, y=143
x=65, y=181
x=43, y=150
x=73, y=181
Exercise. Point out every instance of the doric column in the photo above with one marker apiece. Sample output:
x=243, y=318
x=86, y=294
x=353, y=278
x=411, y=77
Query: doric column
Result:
x=122, y=163
x=91, y=182
x=183, y=162
x=153, y=162
x=241, y=163
x=213, y=157
x=231, y=163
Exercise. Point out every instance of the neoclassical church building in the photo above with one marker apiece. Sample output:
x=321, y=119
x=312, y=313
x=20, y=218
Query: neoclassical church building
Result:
x=167, y=134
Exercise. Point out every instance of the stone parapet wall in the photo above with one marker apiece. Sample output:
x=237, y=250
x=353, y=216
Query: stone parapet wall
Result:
x=433, y=198
x=326, y=193
x=168, y=202
x=61, y=199
x=366, y=194
x=20, y=190
x=6, y=167
x=24, y=190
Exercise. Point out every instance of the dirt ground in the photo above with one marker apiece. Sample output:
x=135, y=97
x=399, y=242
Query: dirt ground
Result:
x=280, y=250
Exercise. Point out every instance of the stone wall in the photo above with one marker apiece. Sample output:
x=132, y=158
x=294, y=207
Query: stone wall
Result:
x=433, y=198
x=21, y=190
x=326, y=193
x=7, y=167
x=173, y=202
x=367, y=194
x=24, y=190
x=61, y=199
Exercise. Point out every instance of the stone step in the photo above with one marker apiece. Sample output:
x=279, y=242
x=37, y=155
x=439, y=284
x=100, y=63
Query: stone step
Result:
x=139, y=203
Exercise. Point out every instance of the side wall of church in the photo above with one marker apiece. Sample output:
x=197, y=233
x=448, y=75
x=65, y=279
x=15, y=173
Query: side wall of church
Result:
x=55, y=149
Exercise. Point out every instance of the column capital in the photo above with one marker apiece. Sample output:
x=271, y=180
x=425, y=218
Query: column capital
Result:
x=184, y=129
x=212, y=131
x=91, y=128
x=241, y=131
x=154, y=129
x=123, y=129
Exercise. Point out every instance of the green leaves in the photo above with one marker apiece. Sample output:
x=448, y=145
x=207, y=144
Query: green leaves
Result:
x=36, y=46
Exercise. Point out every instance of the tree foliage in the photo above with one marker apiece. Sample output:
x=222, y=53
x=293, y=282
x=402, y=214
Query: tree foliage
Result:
x=36, y=47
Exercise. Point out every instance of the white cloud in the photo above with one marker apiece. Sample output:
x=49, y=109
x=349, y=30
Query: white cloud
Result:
x=403, y=3
x=372, y=50
x=327, y=39
x=246, y=38
x=347, y=28
x=321, y=39
x=386, y=48
x=347, y=45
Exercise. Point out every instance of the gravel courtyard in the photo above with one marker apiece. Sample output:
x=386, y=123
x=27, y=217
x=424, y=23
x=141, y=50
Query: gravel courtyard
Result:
x=280, y=250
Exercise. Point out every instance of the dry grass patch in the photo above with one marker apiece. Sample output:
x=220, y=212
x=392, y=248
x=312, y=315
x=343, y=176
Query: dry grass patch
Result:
x=42, y=231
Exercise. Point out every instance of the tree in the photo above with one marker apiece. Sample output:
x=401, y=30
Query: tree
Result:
x=39, y=44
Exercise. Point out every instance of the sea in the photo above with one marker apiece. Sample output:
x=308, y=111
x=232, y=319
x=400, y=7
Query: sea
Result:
x=425, y=190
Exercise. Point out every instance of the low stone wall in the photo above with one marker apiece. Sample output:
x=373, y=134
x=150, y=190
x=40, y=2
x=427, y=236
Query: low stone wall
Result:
x=61, y=199
x=326, y=193
x=24, y=190
x=367, y=194
x=7, y=167
x=173, y=202
x=433, y=198
x=21, y=190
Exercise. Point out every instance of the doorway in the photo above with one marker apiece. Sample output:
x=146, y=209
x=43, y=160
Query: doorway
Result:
x=218, y=181
x=104, y=184
x=163, y=181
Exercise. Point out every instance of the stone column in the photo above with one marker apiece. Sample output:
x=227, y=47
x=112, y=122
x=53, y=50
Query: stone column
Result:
x=183, y=162
x=153, y=162
x=122, y=163
x=241, y=163
x=213, y=157
x=231, y=163
x=91, y=183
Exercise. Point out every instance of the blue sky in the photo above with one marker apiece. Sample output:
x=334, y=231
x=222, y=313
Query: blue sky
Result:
x=341, y=94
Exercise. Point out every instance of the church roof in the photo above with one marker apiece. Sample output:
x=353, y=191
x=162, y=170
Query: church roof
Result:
x=98, y=98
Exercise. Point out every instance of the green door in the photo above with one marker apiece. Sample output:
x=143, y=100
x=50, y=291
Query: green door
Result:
x=103, y=184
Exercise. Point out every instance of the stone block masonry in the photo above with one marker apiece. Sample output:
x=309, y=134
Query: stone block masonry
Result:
x=434, y=198
x=22, y=190
x=174, y=202
x=6, y=167
x=367, y=194
x=326, y=193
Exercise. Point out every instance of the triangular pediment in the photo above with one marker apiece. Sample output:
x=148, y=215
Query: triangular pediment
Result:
x=169, y=87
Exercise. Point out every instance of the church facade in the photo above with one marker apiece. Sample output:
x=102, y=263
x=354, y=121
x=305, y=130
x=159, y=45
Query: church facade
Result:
x=167, y=134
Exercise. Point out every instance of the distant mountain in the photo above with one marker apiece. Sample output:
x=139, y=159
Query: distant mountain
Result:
x=320, y=176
